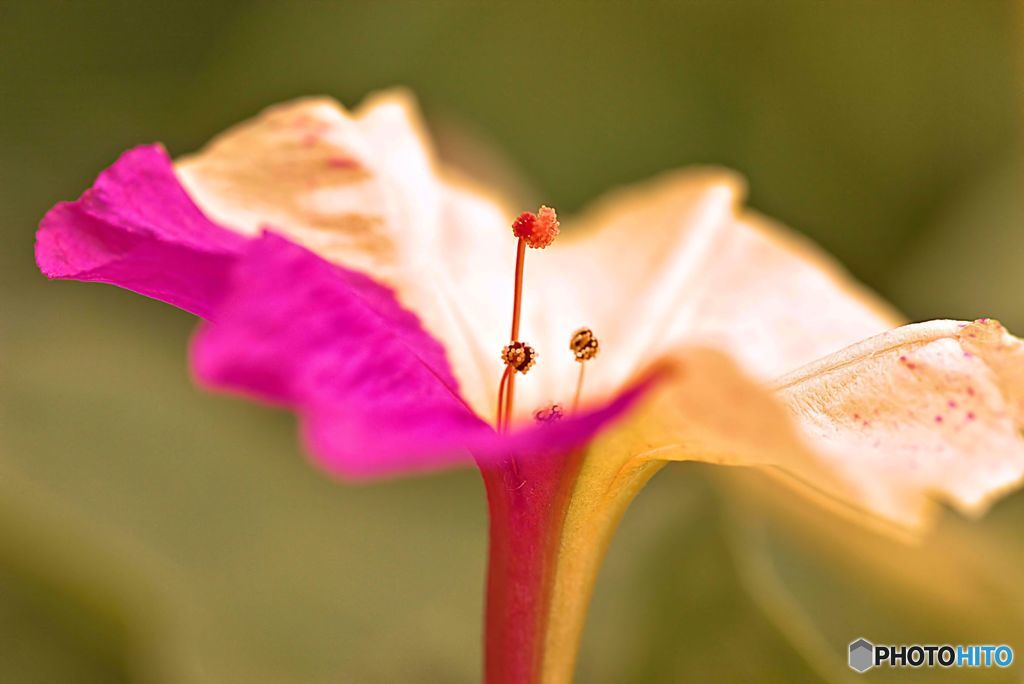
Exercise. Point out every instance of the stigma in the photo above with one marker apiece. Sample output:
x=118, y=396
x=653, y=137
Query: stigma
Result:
x=584, y=346
x=537, y=230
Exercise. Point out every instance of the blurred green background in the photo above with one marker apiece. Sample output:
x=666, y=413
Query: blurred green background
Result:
x=153, y=533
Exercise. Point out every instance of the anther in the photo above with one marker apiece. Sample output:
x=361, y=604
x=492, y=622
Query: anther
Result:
x=548, y=414
x=584, y=345
x=519, y=356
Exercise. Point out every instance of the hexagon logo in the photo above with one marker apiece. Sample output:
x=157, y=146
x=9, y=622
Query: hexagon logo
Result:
x=862, y=655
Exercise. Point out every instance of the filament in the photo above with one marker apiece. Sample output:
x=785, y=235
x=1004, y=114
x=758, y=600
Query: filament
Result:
x=501, y=397
x=579, y=388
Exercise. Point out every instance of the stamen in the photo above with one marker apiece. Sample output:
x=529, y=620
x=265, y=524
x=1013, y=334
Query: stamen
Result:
x=548, y=414
x=537, y=231
x=584, y=347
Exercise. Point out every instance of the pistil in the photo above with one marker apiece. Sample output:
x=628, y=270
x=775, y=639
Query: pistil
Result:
x=536, y=231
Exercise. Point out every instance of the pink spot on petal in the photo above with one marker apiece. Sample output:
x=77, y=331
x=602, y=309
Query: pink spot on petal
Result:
x=938, y=419
x=970, y=391
x=951, y=404
x=342, y=163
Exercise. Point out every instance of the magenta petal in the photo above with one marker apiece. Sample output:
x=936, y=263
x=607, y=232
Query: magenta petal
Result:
x=373, y=389
x=137, y=228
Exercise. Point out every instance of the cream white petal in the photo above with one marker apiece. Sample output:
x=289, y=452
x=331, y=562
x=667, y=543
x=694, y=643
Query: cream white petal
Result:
x=675, y=260
x=926, y=413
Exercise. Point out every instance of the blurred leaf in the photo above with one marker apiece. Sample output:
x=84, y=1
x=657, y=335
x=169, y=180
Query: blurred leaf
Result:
x=43, y=639
x=827, y=580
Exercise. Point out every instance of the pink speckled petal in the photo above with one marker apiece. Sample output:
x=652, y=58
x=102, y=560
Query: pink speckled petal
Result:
x=374, y=391
x=930, y=411
x=137, y=228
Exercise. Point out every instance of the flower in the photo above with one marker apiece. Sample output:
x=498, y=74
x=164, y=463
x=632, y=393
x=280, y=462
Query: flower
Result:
x=344, y=274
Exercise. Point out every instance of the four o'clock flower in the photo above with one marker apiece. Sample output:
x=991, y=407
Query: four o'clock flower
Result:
x=413, y=321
